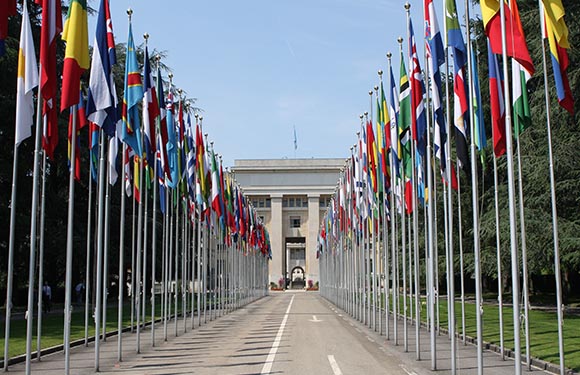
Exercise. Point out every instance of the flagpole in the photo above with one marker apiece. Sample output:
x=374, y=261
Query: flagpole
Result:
x=449, y=221
x=558, y=276
x=33, y=221
x=88, y=255
x=10, y=273
x=122, y=281
x=511, y=201
x=133, y=243
x=461, y=268
x=41, y=256
x=69, y=242
x=106, y=241
x=372, y=238
x=499, y=260
x=524, y=254
x=429, y=249
x=100, y=228
x=475, y=208
x=154, y=233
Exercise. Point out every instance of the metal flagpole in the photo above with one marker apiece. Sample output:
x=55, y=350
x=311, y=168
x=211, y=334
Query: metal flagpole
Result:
x=100, y=228
x=133, y=244
x=106, y=257
x=10, y=273
x=461, y=268
x=122, y=283
x=176, y=262
x=372, y=238
x=165, y=265
x=31, y=268
x=88, y=255
x=475, y=204
x=145, y=246
x=69, y=241
x=41, y=255
x=169, y=259
x=430, y=249
x=511, y=201
x=558, y=276
x=139, y=248
x=198, y=252
x=524, y=255
x=449, y=219
x=499, y=261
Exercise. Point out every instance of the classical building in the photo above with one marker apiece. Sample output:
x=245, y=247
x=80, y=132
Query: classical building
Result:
x=291, y=196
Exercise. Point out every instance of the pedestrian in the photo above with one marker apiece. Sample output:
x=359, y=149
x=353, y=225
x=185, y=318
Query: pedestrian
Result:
x=46, y=297
x=80, y=290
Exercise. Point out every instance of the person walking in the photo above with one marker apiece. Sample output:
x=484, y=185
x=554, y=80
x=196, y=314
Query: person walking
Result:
x=46, y=297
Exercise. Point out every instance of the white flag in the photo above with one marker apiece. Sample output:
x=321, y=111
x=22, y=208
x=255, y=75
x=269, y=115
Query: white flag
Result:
x=26, y=81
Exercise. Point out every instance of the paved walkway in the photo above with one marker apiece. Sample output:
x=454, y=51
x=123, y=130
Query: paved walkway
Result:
x=285, y=333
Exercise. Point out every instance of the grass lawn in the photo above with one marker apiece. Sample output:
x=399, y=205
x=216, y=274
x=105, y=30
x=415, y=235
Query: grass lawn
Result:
x=543, y=330
x=52, y=326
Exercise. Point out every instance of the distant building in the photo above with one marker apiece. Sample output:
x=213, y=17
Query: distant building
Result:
x=291, y=196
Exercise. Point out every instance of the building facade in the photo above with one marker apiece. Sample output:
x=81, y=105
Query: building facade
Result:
x=290, y=196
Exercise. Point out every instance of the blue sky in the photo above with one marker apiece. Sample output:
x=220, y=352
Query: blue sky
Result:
x=259, y=68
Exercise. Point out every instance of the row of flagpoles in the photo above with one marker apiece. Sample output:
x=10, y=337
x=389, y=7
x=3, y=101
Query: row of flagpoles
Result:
x=389, y=178
x=214, y=247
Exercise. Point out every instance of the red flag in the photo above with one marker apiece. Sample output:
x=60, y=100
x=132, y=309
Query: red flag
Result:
x=7, y=9
x=51, y=29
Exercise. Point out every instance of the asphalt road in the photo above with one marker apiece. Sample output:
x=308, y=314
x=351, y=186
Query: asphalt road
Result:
x=284, y=333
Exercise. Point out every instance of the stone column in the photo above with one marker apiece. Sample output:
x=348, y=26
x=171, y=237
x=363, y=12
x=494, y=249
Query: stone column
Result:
x=312, y=237
x=276, y=238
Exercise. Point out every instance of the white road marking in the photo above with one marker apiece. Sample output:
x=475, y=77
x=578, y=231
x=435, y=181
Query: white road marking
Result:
x=334, y=365
x=315, y=319
x=410, y=372
x=270, y=359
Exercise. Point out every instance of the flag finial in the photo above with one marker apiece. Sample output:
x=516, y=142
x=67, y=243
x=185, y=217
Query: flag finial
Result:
x=380, y=72
x=129, y=13
x=146, y=36
x=389, y=55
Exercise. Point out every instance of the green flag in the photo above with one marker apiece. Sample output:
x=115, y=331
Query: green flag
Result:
x=522, y=116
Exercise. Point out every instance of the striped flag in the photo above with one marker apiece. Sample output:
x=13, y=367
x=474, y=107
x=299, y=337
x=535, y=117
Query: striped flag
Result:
x=51, y=29
x=435, y=58
x=557, y=33
x=26, y=81
x=418, y=119
x=102, y=98
x=404, y=136
x=150, y=110
x=497, y=104
x=76, y=56
x=132, y=95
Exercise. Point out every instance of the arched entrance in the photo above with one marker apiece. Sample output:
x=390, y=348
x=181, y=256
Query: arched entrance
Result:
x=297, y=280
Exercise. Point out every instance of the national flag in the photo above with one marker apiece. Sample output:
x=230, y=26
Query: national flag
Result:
x=497, y=104
x=81, y=123
x=201, y=193
x=7, y=9
x=171, y=145
x=404, y=123
x=127, y=155
x=215, y=187
x=102, y=101
x=94, y=150
x=435, y=58
x=190, y=148
x=418, y=119
x=162, y=123
x=395, y=145
x=150, y=110
x=160, y=176
x=132, y=95
x=455, y=41
x=521, y=107
x=76, y=55
x=137, y=178
x=26, y=81
x=51, y=29
x=557, y=33
x=515, y=39
x=113, y=152
x=478, y=122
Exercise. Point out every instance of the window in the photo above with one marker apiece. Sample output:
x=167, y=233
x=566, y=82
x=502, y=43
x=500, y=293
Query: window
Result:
x=294, y=221
x=297, y=254
x=295, y=202
x=261, y=202
x=324, y=202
